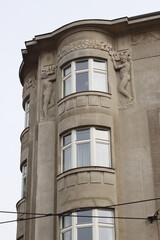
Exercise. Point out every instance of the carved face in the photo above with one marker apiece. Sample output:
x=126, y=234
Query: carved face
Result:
x=123, y=60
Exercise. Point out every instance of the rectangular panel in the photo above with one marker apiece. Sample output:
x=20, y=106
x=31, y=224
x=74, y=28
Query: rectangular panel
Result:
x=84, y=233
x=67, y=159
x=99, y=65
x=106, y=233
x=83, y=134
x=67, y=235
x=84, y=217
x=103, y=154
x=83, y=154
x=67, y=86
x=81, y=65
x=100, y=82
x=106, y=213
x=82, y=82
x=67, y=221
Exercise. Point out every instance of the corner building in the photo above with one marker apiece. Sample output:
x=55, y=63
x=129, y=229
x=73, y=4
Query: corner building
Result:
x=91, y=97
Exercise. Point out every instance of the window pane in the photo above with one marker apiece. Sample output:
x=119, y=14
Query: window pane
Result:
x=24, y=190
x=67, y=159
x=66, y=139
x=107, y=213
x=84, y=233
x=67, y=86
x=67, y=235
x=99, y=82
x=67, y=70
x=67, y=221
x=85, y=219
x=102, y=134
x=82, y=82
x=99, y=65
x=83, y=134
x=106, y=233
x=82, y=65
x=102, y=154
x=83, y=154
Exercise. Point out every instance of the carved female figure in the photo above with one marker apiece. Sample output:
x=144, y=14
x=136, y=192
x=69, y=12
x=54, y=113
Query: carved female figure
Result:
x=124, y=68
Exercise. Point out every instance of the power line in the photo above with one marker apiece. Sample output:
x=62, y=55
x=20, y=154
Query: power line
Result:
x=51, y=215
x=109, y=206
x=42, y=215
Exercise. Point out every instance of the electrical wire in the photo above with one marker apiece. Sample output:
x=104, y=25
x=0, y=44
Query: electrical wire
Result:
x=51, y=215
x=108, y=206
x=42, y=215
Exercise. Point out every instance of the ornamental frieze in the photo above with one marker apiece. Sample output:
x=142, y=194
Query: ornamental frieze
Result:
x=145, y=37
x=85, y=44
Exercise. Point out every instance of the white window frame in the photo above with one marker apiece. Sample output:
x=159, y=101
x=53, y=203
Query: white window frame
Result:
x=91, y=70
x=24, y=180
x=95, y=224
x=26, y=109
x=92, y=140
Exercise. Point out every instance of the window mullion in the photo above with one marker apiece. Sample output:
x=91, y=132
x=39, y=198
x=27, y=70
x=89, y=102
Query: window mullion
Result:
x=90, y=73
x=92, y=153
x=74, y=227
x=74, y=159
x=73, y=77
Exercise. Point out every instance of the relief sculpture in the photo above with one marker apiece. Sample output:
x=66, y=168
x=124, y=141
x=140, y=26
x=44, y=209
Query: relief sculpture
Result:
x=48, y=76
x=122, y=64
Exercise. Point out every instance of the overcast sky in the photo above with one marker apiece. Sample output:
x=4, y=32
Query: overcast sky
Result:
x=20, y=21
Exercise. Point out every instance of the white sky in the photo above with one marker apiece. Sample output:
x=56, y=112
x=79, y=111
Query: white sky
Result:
x=20, y=21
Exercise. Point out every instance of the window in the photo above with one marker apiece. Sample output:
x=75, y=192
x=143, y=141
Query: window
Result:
x=84, y=225
x=24, y=180
x=85, y=75
x=86, y=147
x=26, y=109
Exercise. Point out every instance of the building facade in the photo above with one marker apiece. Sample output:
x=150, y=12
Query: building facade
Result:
x=91, y=97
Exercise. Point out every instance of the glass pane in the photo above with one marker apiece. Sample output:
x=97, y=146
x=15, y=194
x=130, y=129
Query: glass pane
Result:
x=24, y=186
x=99, y=82
x=67, y=221
x=85, y=219
x=103, y=154
x=99, y=65
x=67, y=70
x=106, y=233
x=83, y=134
x=27, y=119
x=84, y=233
x=82, y=82
x=83, y=154
x=82, y=65
x=67, y=235
x=24, y=169
x=107, y=213
x=27, y=105
x=102, y=134
x=66, y=139
x=67, y=159
x=67, y=86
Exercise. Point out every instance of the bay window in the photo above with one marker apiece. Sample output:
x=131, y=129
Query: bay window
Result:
x=84, y=75
x=86, y=147
x=93, y=224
